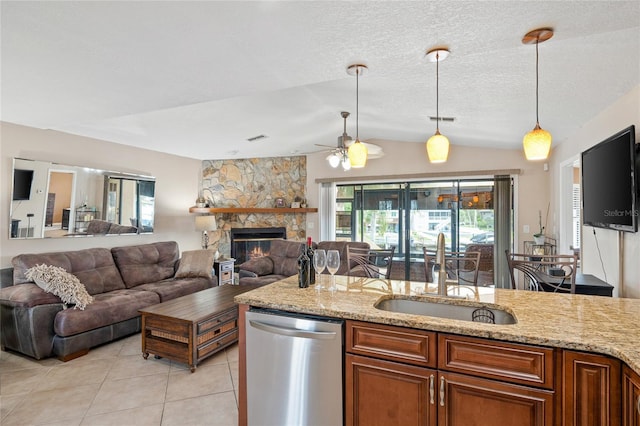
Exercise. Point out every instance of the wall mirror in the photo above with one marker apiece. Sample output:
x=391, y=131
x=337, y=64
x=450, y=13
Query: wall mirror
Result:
x=50, y=200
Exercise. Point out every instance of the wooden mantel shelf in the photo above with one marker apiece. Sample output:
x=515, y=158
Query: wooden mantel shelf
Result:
x=249, y=210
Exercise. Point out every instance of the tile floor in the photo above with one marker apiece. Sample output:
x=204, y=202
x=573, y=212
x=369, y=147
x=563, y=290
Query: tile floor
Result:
x=114, y=385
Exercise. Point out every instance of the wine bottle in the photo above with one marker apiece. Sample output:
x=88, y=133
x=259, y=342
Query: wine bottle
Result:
x=304, y=267
x=312, y=269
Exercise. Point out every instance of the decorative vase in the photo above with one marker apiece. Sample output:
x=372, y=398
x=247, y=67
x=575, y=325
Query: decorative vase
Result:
x=538, y=239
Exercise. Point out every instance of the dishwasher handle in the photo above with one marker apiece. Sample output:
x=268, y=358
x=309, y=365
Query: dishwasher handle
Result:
x=293, y=332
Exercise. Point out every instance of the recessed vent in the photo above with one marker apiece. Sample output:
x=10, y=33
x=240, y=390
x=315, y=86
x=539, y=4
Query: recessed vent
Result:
x=257, y=138
x=450, y=119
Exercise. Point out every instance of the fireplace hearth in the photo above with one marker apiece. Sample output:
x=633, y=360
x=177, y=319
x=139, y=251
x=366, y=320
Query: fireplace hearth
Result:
x=249, y=243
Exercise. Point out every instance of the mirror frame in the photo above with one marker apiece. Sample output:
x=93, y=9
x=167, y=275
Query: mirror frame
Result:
x=84, y=196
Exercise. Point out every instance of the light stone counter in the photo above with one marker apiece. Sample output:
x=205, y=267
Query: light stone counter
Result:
x=597, y=324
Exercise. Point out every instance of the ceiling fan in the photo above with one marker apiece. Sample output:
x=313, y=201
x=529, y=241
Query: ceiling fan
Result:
x=339, y=154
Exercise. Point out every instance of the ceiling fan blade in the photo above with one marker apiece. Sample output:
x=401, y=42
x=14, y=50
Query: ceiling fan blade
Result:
x=326, y=146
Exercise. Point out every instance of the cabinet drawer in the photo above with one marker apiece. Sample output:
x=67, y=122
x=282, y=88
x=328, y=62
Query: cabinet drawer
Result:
x=512, y=362
x=226, y=267
x=218, y=344
x=225, y=276
x=216, y=321
x=394, y=343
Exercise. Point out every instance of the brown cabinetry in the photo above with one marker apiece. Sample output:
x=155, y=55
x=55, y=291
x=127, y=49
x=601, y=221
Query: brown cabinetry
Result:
x=391, y=378
x=591, y=389
x=630, y=397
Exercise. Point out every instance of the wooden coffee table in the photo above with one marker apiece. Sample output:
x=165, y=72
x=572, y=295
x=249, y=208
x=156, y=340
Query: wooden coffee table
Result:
x=191, y=328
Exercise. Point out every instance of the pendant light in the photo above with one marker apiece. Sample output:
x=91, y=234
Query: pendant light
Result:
x=438, y=144
x=357, y=150
x=537, y=142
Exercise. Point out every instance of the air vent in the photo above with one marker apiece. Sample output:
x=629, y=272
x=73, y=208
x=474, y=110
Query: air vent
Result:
x=450, y=119
x=257, y=138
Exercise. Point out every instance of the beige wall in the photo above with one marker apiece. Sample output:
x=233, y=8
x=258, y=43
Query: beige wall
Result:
x=410, y=158
x=176, y=186
x=622, y=113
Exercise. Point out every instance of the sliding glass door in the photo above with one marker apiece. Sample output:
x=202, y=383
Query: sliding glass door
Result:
x=409, y=216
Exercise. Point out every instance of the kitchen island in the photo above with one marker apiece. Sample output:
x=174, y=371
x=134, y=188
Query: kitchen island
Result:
x=564, y=324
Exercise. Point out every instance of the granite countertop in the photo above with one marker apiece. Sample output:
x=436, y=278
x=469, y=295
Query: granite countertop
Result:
x=588, y=323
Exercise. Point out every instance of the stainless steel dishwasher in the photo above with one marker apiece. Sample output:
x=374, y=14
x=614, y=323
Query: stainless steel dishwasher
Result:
x=294, y=369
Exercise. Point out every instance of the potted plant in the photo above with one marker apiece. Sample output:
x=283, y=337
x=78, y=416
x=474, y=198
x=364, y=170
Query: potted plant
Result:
x=538, y=237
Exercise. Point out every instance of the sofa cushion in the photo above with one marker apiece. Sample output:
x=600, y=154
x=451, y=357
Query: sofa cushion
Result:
x=285, y=257
x=258, y=265
x=94, y=267
x=196, y=263
x=106, y=309
x=172, y=288
x=56, y=280
x=146, y=263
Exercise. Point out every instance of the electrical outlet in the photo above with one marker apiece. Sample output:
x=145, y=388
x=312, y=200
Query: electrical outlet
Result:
x=525, y=229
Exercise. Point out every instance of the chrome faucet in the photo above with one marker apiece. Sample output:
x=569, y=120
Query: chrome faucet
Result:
x=440, y=266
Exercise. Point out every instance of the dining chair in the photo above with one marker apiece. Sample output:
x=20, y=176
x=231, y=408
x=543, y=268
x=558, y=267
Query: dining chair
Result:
x=371, y=263
x=543, y=272
x=460, y=266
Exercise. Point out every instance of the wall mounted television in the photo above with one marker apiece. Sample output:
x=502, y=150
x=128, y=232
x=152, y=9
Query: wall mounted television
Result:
x=22, y=180
x=610, y=182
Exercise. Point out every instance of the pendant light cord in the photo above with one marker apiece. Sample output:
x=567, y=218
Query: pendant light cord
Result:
x=357, y=100
x=537, y=118
x=437, y=94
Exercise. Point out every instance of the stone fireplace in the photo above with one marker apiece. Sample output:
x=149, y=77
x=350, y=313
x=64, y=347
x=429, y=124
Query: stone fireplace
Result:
x=249, y=243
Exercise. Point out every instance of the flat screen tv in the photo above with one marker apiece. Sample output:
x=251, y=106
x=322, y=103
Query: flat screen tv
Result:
x=610, y=183
x=22, y=180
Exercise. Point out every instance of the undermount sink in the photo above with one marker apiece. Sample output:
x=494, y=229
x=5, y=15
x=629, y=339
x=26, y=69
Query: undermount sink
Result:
x=446, y=310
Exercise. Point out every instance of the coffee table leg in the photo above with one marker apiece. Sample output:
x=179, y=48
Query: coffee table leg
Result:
x=145, y=355
x=192, y=368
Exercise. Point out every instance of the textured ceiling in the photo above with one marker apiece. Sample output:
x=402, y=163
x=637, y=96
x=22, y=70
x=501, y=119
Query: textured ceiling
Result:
x=198, y=79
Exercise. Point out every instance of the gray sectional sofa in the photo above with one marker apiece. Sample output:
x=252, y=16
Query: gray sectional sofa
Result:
x=121, y=280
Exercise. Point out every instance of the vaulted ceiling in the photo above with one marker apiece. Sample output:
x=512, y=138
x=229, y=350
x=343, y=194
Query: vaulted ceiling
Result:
x=198, y=79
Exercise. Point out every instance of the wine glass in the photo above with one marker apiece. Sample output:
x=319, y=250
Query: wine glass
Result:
x=319, y=263
x=333, y=264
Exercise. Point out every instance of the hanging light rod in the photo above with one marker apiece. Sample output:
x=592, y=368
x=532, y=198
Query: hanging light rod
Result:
x=438, y=144
x=357, y=151
x=537, y=143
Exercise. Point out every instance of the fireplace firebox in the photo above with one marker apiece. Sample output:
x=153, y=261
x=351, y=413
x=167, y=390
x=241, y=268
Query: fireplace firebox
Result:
x=249, y=243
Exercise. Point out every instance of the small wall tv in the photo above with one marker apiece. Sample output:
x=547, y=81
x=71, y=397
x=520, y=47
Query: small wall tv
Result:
x=610, y=182
x=22, y=180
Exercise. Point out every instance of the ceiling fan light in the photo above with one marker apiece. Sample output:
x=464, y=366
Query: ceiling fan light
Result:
x=438, y=148
x=346, y=163
x=537, y=144
x=358, y=154
x=334, y=160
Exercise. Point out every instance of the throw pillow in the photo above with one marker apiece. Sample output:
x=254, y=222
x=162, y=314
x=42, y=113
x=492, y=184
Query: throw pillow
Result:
x=196, y=263
x=258, y=265
x=55, y=280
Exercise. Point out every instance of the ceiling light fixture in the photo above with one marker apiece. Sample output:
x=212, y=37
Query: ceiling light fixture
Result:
x=339, y=155
x=537, y=142
x=437, y=145
x=358, y=150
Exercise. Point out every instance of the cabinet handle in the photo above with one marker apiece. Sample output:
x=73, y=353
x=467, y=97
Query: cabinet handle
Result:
x=442, y=391
x=432, y=390
x=638, y=405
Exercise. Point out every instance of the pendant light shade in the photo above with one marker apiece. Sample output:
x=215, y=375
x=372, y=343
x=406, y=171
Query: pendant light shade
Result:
x=438, y=148
x=438, y=144
x=537, y=143
x=357, y=151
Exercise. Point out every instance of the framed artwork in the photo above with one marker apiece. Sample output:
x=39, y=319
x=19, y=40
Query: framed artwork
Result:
x=279, y=202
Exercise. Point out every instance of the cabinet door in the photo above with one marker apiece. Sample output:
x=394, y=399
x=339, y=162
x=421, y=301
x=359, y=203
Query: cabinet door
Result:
x=388, y=393
x=591, y=389
x=630, y=398
x=465, y=400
